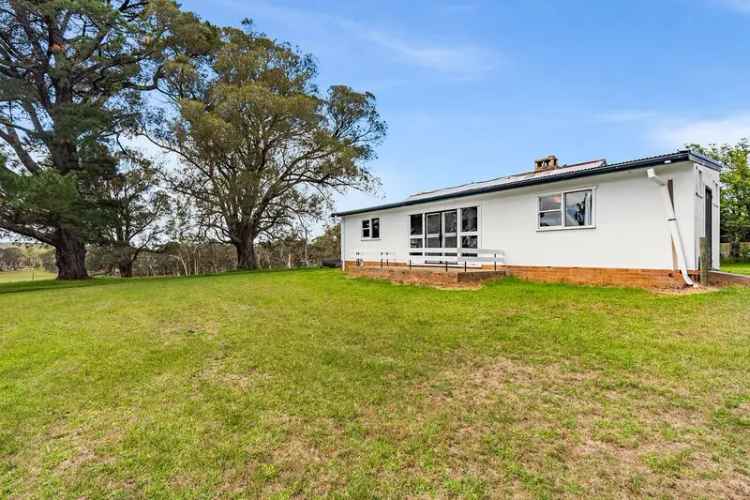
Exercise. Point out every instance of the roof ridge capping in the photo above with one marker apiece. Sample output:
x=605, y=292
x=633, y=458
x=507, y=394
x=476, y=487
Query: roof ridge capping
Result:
x=566, y=172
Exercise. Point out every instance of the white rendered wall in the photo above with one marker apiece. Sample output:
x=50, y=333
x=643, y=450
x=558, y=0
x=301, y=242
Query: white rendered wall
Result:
x=629, y=214
x=707, y=178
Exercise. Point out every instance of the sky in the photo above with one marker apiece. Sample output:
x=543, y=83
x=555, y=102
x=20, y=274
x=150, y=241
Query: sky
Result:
x=472, y=90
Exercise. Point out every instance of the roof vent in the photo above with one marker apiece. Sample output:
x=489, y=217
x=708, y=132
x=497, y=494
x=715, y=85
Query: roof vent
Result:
x=544, y=164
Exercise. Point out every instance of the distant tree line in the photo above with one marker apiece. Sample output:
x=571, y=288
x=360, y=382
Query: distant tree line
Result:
x=17, y=256
x=255, y=150
x=186, y=258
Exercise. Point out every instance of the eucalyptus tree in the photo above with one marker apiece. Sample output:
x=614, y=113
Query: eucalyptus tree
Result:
x=135, y=208
x=260, y=145
x=72, y=77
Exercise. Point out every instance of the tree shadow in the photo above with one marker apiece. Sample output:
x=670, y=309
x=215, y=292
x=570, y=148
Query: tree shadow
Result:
x=52, y=284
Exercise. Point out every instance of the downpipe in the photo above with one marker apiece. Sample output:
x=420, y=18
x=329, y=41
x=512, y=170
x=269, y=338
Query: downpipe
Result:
x=674, y=226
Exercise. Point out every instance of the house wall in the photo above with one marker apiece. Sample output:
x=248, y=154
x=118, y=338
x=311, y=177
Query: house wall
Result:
x=706, y=177
x=630, y=232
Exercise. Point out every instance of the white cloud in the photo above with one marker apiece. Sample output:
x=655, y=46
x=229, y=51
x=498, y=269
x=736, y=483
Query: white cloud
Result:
x=676, y=133
x=461, y=60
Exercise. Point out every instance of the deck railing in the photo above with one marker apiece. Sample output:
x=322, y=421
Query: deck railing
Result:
x=447, y=258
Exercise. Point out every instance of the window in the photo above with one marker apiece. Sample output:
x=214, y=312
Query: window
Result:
x=371, y=229
x=434, y=237
x=469, y=241
x=438, y=233
x=417, y=225
x=416, y=233
x=549, y=211
x=566, y=210
x=578, y=208
x=469, y=220
x=469, y=229
x=450, y=228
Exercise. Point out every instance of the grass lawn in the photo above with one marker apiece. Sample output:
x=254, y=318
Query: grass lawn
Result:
x=736, y=267
x=24, y=275
x=310, y=383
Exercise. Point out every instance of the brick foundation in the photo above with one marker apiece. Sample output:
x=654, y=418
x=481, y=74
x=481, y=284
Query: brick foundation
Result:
x=400, y=273
x=634, y=278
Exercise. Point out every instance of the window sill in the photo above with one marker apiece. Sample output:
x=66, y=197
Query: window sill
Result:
x=369, y=239
x=562, y=228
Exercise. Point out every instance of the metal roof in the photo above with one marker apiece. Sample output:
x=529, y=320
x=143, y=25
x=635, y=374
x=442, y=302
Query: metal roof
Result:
x=565, y=172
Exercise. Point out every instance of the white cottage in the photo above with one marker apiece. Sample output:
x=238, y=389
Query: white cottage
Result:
x=637, y=222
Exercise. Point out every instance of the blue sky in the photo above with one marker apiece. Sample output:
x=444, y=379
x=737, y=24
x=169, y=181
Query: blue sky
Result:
x=478, y=89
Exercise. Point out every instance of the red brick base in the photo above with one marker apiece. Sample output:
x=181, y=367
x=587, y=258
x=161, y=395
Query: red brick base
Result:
x=635, y=278
x=434, y=276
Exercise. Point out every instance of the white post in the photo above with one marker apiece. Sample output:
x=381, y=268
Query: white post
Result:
x=342, y=237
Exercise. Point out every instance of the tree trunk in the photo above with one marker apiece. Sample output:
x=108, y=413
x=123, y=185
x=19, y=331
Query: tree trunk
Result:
x=247, y=259
x=70, y=255
x=735, y=248
x=126, y=268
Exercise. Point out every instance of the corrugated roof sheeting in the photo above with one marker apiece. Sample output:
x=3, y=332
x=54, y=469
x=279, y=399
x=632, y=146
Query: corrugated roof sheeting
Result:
x=577, y=170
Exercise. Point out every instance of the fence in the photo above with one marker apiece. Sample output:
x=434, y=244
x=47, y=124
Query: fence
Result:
x=744, y=250
x=446, y=258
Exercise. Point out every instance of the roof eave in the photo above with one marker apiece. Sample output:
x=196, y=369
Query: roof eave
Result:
x=679, y=156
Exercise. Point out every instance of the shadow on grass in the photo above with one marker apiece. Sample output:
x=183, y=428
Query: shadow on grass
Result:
x=52, y=284
x=40, y=285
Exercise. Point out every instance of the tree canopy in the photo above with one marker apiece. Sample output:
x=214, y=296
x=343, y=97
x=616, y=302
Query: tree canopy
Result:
x=260, y=144
x=72, y=75
x=735, y=190
x=261, y=148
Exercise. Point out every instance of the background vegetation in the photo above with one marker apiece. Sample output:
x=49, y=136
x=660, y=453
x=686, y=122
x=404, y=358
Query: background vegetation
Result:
x=257, y=149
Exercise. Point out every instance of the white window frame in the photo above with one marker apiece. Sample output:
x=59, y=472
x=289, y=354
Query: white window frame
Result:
x=417, y=251
x=561, y=194
x=369, y=221
x=428, y=234
x=462, y=233
x=454, y=234
x=458, y=234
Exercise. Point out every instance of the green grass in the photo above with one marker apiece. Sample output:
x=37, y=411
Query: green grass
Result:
x=24, y=275
x=309, y=383
x=736, y=267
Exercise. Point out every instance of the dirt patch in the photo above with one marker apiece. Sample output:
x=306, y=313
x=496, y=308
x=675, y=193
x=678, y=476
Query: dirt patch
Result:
x=216, y=373
x=553, y=427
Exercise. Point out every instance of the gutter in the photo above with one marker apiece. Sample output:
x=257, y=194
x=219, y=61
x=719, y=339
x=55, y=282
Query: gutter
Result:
x=674, y=226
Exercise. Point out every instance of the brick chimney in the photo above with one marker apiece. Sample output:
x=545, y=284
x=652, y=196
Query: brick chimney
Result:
x=544, y=164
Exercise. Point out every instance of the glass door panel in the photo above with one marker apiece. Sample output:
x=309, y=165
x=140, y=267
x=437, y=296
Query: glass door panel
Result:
x=434, y=232
x=450, y=231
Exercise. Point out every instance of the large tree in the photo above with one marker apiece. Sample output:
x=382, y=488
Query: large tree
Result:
x=260, y=145
x=735, y=191
x=134, y=208
x=72, y=74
